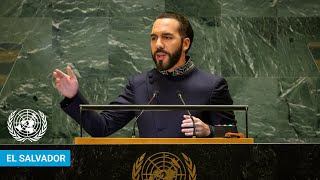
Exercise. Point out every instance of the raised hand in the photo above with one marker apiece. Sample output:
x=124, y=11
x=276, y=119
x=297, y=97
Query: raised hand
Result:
x=67, y=84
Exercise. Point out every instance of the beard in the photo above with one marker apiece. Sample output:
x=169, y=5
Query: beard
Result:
x=173, y=59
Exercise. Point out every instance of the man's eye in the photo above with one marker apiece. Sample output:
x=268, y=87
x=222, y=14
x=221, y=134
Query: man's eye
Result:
x=168, y=37
x=153, y=38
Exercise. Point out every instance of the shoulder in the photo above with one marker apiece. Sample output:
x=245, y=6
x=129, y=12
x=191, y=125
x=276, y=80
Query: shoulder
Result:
x=209, y=77
x=139, y=79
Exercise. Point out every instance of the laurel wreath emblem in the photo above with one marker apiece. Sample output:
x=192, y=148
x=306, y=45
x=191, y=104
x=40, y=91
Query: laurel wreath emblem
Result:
x=191, y=167
x=137, y=167
x=21, y=138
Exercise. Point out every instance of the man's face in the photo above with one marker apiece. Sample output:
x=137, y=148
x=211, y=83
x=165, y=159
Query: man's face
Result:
x=166, y=43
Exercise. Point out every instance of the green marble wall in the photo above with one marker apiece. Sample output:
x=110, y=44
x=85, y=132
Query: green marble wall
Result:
x=259, y=46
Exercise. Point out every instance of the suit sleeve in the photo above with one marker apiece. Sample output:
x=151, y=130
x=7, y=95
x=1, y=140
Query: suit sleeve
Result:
x=221, y=96
x=104, y=123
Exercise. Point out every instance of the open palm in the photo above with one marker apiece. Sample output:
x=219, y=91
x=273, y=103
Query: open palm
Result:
x=67, y=84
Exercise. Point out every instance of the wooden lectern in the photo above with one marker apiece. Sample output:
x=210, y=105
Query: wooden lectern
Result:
x=79, y=140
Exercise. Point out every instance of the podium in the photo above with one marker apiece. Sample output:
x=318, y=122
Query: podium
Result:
x=100, y=141
x=86, y=107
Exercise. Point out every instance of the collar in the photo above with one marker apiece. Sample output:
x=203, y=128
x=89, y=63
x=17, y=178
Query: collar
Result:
x=189, y=65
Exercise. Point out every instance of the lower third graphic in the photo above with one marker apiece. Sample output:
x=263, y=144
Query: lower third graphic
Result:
x=27, y=124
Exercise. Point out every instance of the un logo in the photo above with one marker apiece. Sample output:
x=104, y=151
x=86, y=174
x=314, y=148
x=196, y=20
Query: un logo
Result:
x=27, y=124
x=164, y=166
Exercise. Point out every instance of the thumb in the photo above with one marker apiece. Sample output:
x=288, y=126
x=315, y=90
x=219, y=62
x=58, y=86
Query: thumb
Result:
x=70, y=72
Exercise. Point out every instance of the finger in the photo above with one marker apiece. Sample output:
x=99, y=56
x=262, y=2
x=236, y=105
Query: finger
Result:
x=189, y=117
x=187, y=121
x=56, y=82
x=187, y=130
x=55, y=75
x=196, y=120
x=187, y=125
x=190, y=134
x=59, y=73
x=186, y=116
x=70, y=72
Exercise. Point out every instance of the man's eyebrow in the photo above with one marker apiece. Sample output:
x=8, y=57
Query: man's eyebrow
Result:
x=163, y=34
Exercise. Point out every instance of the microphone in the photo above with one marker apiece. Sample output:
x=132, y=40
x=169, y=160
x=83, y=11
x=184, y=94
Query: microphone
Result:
x=194, y=126
x=155, y=94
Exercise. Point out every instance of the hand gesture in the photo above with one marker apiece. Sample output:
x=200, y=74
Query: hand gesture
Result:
x=67, y=84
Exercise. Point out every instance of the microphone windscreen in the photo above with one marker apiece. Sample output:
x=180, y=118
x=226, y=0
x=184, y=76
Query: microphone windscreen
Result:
x=156, y=93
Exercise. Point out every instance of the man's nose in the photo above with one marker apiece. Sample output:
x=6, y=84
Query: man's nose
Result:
x=159, y=44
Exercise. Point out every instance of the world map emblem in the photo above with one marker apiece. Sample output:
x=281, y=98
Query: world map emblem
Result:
x=27, y=124
x=164, y=166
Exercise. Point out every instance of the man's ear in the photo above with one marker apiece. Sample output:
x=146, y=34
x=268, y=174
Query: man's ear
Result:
x=186, y=44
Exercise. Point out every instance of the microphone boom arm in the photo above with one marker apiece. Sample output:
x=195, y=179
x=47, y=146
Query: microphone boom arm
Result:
x=155, y=94
x=193, y=123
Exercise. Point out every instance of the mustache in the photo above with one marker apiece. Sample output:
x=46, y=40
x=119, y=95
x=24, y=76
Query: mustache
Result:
x=160, y=50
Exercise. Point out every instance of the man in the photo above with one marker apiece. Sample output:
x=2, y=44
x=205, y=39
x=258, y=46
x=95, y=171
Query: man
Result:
x=171, y=38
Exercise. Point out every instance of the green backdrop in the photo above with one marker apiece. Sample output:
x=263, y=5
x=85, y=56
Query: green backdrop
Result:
x=259, y=46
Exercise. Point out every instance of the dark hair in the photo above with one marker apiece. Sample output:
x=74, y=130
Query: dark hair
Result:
x=185, y=28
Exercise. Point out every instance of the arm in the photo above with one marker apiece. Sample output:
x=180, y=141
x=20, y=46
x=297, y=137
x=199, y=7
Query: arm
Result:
x=221, y=96
x=205, y=127
x=104, y=123
x=96, y=124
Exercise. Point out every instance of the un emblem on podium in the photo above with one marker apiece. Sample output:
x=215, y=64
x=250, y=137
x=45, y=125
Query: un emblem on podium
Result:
x=163, y=166
x=27, y=124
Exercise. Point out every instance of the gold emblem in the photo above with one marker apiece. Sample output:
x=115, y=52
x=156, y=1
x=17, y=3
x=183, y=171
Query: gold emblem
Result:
x=163, y=166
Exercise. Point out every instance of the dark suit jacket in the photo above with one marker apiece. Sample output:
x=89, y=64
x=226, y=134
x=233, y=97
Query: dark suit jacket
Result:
x=196, y=86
